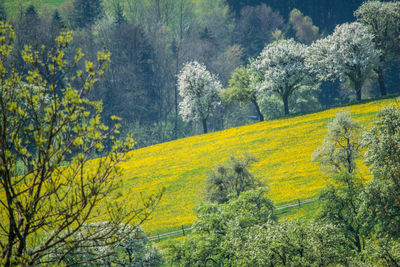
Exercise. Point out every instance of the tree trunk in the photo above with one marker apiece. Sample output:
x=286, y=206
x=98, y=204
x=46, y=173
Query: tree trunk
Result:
x=176, y=98
x=285, y=99
x=357, y=87
x=260, y=115
x=204, y=126
x=381, y=81
x=358, y=243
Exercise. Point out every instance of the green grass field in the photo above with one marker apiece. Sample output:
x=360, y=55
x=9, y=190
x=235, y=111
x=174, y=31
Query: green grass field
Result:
x=283, y=148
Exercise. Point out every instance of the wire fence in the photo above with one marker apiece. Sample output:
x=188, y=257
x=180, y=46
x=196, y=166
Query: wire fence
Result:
x=183, y=231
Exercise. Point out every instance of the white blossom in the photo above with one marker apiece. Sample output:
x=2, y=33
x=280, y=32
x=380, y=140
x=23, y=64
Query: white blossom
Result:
x=348, y=53
x=383, y=21
x=199, y=90
x=281, y=69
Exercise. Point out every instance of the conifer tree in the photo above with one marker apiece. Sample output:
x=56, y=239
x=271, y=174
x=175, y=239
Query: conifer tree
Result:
x=86, y=12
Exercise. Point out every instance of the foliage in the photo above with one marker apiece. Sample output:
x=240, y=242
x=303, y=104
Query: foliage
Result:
x=217, y=224
x=340, y=148
x=87, y=12
x=3, y=14
x=348, y=53
x=381, y=251
x=367, y=215
x=215, y=16
x=243, y=232
x=382, y=20
x=199, y=90
x=340, y=206
x=129, y=82
x=28, y=27
x=292, y=243
x=304, y=100
x=281, y=70
x=249, y=208
x=239, y=87
x=230, y=179
x=225, y=63
x=271, y=105
x=128, y=246
x=382, y=198
x=241, y=90
x=305, y=31
x=255, y=27
x=53, y=130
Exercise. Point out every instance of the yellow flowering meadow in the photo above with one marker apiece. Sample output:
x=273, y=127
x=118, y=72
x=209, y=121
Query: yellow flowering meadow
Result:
x=283, y=149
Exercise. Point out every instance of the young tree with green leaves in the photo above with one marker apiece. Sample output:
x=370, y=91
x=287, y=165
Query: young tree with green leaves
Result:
x=340, y=148
x=241, y=90
x=340, y=204
x=230, y=179
x=50, y=183
x=382, y=196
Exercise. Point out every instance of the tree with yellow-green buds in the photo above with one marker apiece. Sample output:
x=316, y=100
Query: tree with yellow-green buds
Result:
x=50, y=185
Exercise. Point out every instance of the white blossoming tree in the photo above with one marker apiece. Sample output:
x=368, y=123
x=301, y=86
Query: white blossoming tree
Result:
x=199, y=90
x=347, y=54
x=281, y=70
x=383, y=21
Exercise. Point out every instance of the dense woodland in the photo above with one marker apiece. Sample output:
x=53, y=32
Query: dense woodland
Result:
x=150, y=41
x=173, y=68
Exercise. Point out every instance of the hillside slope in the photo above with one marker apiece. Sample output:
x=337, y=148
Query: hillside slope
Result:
x=283, y=149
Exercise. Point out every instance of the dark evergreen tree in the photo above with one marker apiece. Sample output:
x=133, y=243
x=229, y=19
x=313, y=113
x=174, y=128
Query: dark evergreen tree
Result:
x=56, y=24
x=28, y=31
x=28, y=28
x=86, y=12
x=119, y=14
x=129, y=89
x=3, y=14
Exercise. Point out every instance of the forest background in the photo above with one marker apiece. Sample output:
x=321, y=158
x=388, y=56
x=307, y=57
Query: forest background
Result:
x=150, y=41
